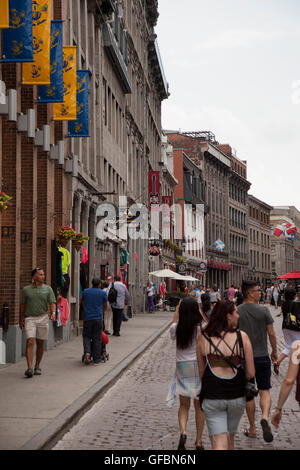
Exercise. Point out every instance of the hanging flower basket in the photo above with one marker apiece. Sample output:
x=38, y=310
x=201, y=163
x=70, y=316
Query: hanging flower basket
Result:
x=4, y=201
x=65, y=234
x=79, y=240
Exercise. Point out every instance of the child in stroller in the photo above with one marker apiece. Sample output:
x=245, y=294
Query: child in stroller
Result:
x=104, y=354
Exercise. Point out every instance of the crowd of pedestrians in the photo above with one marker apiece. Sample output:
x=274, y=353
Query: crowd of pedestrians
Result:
x=227, y=336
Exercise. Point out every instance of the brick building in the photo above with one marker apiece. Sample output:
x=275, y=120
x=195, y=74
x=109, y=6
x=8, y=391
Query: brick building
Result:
x=116, y=43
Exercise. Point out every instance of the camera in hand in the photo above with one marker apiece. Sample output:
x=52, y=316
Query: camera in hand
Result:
x=250, y=391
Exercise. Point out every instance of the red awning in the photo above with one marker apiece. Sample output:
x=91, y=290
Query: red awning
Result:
x=291, y=275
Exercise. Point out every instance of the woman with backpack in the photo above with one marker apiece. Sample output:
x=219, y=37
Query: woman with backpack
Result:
x=186, y=382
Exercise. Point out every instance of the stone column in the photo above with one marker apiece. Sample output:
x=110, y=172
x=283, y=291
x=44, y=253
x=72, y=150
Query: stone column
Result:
x=92, y=241
x=75, y=260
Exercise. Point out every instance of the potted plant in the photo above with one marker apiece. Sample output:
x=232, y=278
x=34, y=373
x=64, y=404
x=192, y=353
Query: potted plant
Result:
x=65, y=234
x=4, y=201
x=79, y=240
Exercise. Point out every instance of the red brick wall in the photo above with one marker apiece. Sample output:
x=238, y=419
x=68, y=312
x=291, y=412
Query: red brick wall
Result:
x=11, y=184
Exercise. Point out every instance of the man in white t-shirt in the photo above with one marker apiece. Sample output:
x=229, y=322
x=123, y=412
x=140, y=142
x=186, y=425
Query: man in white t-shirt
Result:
x=150, y=294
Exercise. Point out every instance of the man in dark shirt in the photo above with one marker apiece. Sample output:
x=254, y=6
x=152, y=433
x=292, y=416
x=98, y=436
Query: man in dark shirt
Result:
x=94, y=301
x=256, y=320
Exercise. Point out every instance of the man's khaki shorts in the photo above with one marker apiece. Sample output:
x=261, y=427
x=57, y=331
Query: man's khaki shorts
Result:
x=37, y=327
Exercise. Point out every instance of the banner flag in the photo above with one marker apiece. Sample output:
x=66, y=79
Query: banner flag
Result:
x=153, y=190
x=54, y=93
x=17, y=41
x=4, y=14
x=80, y=127
x=66, y=111
x=166, y=211
x=38, y=73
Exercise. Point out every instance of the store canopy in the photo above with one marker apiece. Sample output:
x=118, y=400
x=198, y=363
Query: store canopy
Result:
x=167, y=273
x=290, y=275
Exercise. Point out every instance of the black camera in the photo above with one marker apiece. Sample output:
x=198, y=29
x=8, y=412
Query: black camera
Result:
x=250, y=391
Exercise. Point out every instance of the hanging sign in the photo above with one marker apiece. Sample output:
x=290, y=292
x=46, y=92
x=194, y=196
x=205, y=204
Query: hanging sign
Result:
x=80, y=127
x=17, y=41
x=54, y=93
x=66, y=111
x=4, y=14
x=38, y=73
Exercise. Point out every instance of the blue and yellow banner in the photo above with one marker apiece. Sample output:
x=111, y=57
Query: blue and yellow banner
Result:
x=67, y=111
x=17, y=41
x=4, y=14
x=38, y=73
x=80, y=127
x=54, y=93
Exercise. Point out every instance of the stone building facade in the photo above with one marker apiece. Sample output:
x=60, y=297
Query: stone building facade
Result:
x=190, y=199
x=259, y=240
x=238, y=218
x=116, y=43
x=285, y=253
x=216, y=169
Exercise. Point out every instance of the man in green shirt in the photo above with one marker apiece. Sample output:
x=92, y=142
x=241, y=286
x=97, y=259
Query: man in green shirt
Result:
x=35, y=319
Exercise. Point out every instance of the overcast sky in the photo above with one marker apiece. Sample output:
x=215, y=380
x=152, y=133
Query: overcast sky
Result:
x=233, y=68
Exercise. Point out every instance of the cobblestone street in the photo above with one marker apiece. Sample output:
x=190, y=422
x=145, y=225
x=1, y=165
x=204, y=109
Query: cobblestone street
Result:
x=133, y=414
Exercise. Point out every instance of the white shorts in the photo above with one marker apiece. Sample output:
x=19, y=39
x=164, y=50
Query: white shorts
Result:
x=37, y=327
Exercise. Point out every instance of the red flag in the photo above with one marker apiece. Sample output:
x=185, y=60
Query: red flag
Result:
x=279, y=229
x=120, y=274
x=136, y=256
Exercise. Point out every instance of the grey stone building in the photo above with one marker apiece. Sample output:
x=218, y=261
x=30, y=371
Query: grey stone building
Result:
x=238, y=219
x=285, y=253
x=216, y=170
x=259, y=240
x=116, y=43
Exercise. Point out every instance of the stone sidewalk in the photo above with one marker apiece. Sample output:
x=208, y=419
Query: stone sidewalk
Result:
x=34, y=412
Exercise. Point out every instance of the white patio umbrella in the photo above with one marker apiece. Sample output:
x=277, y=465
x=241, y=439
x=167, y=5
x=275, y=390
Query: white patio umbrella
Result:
x=167, y=273
x=189, y=278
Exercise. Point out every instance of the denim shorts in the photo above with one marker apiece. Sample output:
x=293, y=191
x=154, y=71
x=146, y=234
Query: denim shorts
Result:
x=223, y=416
x=262, y=372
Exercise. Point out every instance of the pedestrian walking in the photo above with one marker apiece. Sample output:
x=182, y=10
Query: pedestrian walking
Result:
x=268, y=294
x=289, y=331
x=150, y=296
x=107, y=320
x=288, y=382
x=231, y=293
x=239, y=297
x=186, y=382
x=275, y=294
x=214, y=295
x=34, y=317
x=256, y=320
x=94, y=301
x=219, y=356
x=205, y=308
x=118, y=305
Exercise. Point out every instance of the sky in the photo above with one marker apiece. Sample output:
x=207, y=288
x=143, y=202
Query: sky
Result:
x=233, y=68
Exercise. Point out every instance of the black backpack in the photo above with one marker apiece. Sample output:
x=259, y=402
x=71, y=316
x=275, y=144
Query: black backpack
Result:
x=112, y=295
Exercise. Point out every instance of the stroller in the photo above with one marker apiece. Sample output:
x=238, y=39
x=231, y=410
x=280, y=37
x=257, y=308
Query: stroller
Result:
x=104, y=355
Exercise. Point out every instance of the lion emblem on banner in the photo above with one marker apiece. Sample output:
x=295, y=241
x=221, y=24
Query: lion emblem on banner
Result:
x=40, y=12
x=16, y=18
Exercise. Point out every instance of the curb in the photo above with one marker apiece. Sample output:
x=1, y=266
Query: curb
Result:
x=53, y=432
